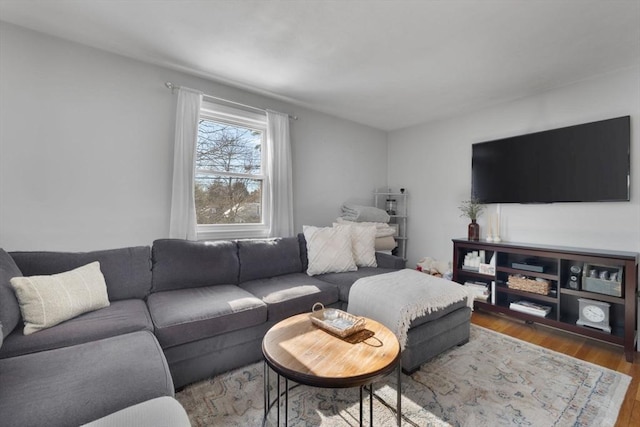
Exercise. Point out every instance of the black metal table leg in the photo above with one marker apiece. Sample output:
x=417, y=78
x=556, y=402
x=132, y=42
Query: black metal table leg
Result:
x=371, y=404
x=278, y=403
x=399, y=396
x=361, y=405
x=286, y=402
x=265, y=391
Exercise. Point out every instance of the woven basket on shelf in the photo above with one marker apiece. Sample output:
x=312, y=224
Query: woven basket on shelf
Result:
x=529, y=285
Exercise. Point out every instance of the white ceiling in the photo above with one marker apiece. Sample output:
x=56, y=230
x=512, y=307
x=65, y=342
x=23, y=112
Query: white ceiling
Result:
x=387, y=64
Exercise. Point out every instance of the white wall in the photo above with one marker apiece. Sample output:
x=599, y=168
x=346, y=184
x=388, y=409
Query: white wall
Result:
x=86, y=146
x=86, y=152
x=433, y=161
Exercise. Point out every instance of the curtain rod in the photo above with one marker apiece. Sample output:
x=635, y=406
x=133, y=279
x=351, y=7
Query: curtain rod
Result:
x=173, y=87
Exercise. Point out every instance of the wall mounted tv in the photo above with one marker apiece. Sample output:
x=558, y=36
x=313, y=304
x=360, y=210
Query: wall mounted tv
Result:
x=584, y=163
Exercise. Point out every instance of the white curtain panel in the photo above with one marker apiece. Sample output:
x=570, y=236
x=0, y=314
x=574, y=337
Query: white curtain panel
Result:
x=183, y=223
x=281, y=197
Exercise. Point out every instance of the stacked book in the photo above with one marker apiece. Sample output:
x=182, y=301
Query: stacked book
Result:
x=479, y=290
x=529, y=307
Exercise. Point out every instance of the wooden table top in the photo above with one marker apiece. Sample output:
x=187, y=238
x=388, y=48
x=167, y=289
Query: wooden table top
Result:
x=307, y=354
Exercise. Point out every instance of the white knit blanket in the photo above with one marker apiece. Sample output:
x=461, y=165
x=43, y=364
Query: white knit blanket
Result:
x=396, y=299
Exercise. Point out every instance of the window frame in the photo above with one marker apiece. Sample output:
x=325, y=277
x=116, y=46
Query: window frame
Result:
x=234, y=116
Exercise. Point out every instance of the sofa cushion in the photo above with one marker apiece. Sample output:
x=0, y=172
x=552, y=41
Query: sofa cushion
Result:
x=9, y=308
x=127, y=271
x=328, y=250
x=181, y=264
x=187, y=315
x=390, y=261
x=443, y=322
x=291, y=294
x=268, y=258
x=121, y=317
x=344, y=280
x=437, y=314
x=71, y=386
x=46, y=301
x=161, y=411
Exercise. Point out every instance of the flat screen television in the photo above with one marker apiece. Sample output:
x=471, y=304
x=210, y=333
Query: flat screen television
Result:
x=583, y=163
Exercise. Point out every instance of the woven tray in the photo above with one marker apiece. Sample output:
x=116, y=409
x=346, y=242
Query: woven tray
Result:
x=336, y=321
x=529, y=285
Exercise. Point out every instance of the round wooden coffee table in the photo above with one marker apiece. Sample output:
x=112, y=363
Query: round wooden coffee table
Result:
x=299, y=351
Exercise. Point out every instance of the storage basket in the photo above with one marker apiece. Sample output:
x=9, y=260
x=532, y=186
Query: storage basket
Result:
x=610, y=284
x=520, y=283
x=336, y=321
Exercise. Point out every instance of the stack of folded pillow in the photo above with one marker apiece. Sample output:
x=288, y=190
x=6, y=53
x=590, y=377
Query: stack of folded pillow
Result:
x=369, y=215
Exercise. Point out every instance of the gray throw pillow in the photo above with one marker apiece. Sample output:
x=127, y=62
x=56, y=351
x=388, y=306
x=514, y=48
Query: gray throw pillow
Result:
x=9, y=308
x=264, y=258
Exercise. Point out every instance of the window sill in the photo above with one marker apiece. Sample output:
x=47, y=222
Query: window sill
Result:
x=205, y=232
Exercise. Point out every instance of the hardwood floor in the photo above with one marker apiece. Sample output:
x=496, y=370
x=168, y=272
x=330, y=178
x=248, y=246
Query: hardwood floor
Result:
x=600, y=353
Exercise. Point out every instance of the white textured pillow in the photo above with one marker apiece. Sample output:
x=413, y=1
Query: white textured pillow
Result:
x=46, y=301
x=328, y=250
x=363, y=243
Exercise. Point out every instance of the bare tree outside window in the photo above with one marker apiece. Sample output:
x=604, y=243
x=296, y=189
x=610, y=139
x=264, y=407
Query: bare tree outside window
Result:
x=229, y=176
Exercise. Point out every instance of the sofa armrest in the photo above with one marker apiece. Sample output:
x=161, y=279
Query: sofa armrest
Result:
x=390, y=261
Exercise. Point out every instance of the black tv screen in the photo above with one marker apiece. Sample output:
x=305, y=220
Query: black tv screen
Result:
x=584, y=163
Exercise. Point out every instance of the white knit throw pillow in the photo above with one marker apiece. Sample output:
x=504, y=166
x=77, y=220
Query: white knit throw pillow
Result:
x=328, y=250
x=363, y=243
x=46, y=301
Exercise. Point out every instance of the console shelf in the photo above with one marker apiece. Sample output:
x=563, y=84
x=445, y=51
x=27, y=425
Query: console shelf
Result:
x=554, y=264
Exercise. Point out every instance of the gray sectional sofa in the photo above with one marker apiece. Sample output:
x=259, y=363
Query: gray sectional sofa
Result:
x=211, y=303
x=179, y=312
x=88, y=367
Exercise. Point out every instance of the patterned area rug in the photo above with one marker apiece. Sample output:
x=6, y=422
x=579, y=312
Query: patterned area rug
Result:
x=493, y=380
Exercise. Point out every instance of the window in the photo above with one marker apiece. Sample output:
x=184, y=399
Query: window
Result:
x=231, y=183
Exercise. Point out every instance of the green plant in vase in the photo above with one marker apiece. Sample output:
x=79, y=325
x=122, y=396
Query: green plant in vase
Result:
x=472, y=209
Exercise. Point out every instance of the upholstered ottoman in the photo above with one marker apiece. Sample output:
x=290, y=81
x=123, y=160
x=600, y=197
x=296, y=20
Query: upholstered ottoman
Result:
x=428, y=314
